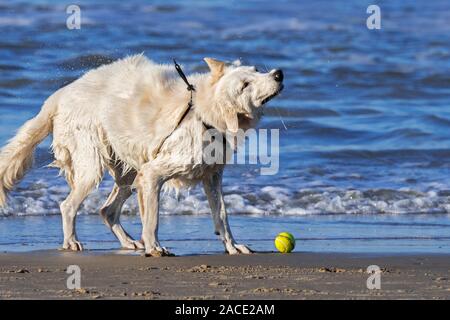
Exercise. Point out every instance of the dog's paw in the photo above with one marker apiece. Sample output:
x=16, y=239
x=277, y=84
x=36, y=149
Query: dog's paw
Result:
x=243, y=249
x=72, y=245
x=238, y=249
x=158, y=252
x=133, y=245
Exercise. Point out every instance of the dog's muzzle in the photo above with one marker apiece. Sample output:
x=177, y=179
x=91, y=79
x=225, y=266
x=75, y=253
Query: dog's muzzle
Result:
x=280, y=88
x=278, y=75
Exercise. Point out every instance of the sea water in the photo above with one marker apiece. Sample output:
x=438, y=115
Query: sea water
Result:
x=364, y=119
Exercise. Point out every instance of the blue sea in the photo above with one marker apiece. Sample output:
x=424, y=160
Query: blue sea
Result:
x=364, y=118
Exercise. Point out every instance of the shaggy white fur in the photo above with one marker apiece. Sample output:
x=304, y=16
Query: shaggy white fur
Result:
x=115, y=117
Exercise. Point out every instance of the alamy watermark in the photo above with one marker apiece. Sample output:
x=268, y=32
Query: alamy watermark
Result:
x=74, y=280
x=374, y=20
x=374, y=280
x=73, y=21
x=251, y=146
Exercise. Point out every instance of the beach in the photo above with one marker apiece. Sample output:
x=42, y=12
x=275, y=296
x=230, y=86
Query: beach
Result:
x=125, y=275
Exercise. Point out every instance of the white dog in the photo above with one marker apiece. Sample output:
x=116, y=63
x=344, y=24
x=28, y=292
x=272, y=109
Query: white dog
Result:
x=127, y=117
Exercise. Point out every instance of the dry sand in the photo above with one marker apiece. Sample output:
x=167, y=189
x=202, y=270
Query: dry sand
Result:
x=118, y=275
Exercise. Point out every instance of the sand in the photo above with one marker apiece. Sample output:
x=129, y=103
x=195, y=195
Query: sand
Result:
x=121, y=275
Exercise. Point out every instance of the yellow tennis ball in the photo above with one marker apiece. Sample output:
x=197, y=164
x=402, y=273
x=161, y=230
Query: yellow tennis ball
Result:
x=285, y=242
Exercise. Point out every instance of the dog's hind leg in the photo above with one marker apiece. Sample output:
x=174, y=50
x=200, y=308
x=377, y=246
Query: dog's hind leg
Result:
x=69, y=208
x=212, y=185
x=111, y=210
x=82, y=162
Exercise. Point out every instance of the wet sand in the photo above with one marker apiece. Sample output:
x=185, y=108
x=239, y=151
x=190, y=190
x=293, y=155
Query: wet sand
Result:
x=121, y=275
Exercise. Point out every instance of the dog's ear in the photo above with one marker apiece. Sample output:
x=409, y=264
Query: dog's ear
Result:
x=232, y=122
x=217, y=68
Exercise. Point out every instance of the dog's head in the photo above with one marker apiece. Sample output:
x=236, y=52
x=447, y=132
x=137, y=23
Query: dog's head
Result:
x=240, y=92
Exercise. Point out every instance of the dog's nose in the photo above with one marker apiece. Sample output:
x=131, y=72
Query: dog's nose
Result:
x=278, y=75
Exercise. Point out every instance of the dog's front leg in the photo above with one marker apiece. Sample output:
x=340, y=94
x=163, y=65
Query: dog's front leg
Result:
x=213, y=189
x=148, y=185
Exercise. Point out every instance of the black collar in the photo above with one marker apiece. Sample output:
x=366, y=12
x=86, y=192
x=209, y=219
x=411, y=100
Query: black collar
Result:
x=189, y=88
x=190, y=104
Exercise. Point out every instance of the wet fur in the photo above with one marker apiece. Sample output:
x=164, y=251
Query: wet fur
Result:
x=115, y=117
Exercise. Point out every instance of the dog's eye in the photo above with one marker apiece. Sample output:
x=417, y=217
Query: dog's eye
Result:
x=245, y=85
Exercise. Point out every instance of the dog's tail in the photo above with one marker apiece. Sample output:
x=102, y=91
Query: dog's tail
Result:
x=17, y=156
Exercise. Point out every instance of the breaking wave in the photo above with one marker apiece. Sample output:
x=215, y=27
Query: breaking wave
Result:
x=41, y=198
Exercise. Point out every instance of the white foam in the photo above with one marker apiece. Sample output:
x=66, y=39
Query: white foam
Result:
x=43, y=198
